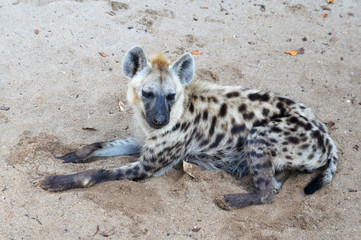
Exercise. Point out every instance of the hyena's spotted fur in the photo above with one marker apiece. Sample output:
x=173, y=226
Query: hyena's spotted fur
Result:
x=216, y=127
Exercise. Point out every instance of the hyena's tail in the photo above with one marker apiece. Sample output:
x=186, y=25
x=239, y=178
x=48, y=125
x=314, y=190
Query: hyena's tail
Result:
x=326, y=176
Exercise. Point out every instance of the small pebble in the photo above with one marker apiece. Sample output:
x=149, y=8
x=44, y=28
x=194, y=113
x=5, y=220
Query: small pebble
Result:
x=4, y=108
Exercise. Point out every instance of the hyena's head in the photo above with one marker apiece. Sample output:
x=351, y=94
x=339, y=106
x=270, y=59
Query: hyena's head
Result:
x=156, y=87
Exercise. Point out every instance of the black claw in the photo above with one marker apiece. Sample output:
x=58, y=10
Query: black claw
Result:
x=69, y=158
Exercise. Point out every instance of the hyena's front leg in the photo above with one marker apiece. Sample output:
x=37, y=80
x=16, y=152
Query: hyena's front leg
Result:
x=133, y=171
x=149, y=164
x=120, y=147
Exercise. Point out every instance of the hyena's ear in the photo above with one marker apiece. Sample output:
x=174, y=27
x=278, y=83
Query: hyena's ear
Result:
x=134, y=61
x=184, y=68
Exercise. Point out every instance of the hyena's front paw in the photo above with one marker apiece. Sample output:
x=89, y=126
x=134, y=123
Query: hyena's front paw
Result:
x=82, y=154
x=59, y=183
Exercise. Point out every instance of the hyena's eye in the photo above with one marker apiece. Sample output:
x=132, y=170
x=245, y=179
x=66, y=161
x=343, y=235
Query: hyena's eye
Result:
x=170, y=97
x=147, y=94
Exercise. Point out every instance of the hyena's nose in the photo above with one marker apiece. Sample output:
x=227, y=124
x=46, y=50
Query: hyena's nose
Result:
x=159, y=120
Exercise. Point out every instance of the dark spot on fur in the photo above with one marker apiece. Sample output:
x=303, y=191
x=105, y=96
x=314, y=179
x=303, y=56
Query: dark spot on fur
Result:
x=196, y=120
x=276, y=129
x=175, y=128
x=284, y=149
x=304, y=146
x=212, y=99
x=240, y=143
x=293, y=120
x=242, y=108
x=259, y=97
x=308, y=126
x=289, y=157
x=282, y=109
x=213, y=125
x=293, y=140
x=232, y=94
x=286, y=100
x=191, y=107
x=219, y=138
x=129, y=172
x=202, y=98
x=248, y=116
x=205, y=142
x=273, y=153
x=259, y=181
x=273, y=140
x=265, y=112
x=184, y=126
x=260, y=123
x=311, y=156
x=147, y=168
x=223, y=110
x=205, y=115
x=255, y=154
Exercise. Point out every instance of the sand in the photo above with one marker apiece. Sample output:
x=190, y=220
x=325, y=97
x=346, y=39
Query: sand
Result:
x=54, y=82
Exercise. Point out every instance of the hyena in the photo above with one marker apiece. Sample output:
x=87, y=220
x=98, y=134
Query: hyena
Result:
x=227, y=128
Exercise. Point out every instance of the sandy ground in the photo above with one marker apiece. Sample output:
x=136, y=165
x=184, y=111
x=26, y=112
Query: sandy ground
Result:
x=54, y=82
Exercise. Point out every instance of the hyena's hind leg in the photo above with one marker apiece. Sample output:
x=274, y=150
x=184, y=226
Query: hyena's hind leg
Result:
x=262, y=171
x=120, y=147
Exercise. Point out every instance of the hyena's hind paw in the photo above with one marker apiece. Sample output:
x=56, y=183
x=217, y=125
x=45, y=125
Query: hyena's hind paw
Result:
x=81, y=154
x=233, y=201
x=59, y=183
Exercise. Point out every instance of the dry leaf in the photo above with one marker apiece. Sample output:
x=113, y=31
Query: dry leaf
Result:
x=111, y=13
x=98, y=228
x=196, y=229
x=121, y=106
x=196, y=52
x=187, y=167
x=36, y=31
x=325, y=8
x=103, y=54
x=325, y=15
x=88, y=128
x=108, y=233
x=292, y=52
x=330, y=1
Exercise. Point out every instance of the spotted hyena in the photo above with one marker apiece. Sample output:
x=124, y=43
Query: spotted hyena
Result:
x=228, y=128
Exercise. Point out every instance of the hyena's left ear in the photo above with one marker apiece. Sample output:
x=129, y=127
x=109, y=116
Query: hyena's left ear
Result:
x=184, y=68
x=134, y=61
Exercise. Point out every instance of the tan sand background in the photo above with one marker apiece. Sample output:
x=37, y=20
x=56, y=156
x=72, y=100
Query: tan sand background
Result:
x=55, y=82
